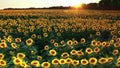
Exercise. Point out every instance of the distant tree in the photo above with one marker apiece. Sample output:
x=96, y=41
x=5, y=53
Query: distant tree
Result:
x=92, y=6
x=109, y=4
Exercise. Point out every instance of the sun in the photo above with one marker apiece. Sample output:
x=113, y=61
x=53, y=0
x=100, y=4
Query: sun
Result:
x=77, y=6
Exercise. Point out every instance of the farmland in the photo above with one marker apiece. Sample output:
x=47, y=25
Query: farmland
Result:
x=59, y=39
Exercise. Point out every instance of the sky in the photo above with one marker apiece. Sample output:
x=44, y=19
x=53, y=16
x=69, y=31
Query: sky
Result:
x=41, y=3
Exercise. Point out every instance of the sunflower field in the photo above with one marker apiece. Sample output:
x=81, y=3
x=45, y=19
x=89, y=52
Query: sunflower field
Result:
x=59, y=39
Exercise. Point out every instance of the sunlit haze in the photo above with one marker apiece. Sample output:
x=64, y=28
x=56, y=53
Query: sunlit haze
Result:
x=41, y=3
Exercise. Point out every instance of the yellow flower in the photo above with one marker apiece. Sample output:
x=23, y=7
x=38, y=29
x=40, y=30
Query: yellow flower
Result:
x=103, y=44
x=35, y=63
x=75, y=42
x=53, y=52
x=68, y=60
x=45, y=65
x=93, y=43
x=75, y=62
x=29, y=42
x=17, y=61
x=118, y=59
x=110, y=59
x=45, y=34
x=20, y=55
x=93, y=61
x=62, y=42
x=65, y=55
x=58, y=34
x=33, y=36
x=118, y=64
x=97, y=49
x=46, y=47
x=103, y=60
x=89, y=50
x=62, y=61
x=44, y=30
x=73, y=52
x=3, y=63
x=52, y=41
x=23, y=64
x=98, y=33
x=116, y=45
x=84, y=62
x=80, y=53
x=39, y=57
x=115, y=52
x=3, y=45
x=14, y=45
x=18, y=40
x=69, y=43
x=1, y=56
x=55, y=61
x=82, y=40
x=56, y=44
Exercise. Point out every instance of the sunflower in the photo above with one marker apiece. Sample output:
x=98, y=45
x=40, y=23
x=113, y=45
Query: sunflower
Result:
x=75, y=42
x=98, y=43
x=62, y=42
x=73, y=52
x=103, y=60
x=44, y=30
x=115, y=52
x=103, y=44
x=118, y=59
x=84, y=61
x=45, y=65
x=110, y=59
x=45, y=34
x=3, y=41
x=52, y=41
x=58, y=34
x=3, y=63
x=80, y=53
x=1, y=56
x=89, y=50
x=18, y=40
x=29, y=42
x=14, y=45
x=68, y=60
x=35, y=63
x=39, y=57
x=17, y=61
x=93, y=43
x=82, y=40
x=93, y=61
x=23, y=64
x=62, y=61
x=116, y=45
x=98, y=33
x=75, y=62
x=33, y=36
x=46, y=47
x=65, y=55
x=3, y=45
x=55, y=61
x=111, y=41
x=52, y=52
x=39, y=36
x=56, y=44
x=20, y=55
x=69, y=42
x=97, y=49
x=118, y=64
